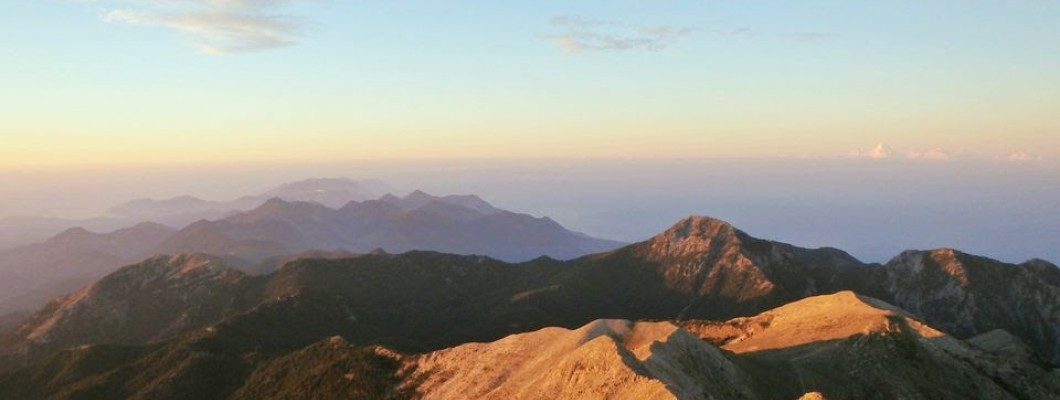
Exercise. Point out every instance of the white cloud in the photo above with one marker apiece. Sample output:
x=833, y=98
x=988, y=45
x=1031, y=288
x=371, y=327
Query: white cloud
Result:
x=216, y=26
x=881, y=151
x=885, y=152
x=582, y=35
x=1022, y=156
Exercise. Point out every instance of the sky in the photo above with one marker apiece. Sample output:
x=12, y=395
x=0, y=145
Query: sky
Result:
x=873, y=126
x=193, y=82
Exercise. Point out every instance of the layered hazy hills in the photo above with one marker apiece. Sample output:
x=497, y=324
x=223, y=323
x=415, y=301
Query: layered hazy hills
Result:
x=275, y=229
x=41, y=258
x=418, y=221
x=182, y=210
x=34, y=274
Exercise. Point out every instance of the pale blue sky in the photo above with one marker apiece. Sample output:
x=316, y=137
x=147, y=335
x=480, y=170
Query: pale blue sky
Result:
x=106, y=81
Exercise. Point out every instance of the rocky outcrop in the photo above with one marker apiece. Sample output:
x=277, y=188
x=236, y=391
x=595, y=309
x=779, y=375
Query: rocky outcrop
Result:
x=967, y=295
x=840, y=346
x=603, y=359
x=845, y=346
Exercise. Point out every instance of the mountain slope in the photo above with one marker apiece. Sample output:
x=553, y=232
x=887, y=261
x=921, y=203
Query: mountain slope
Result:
x=802, y=348
x=160, y=298
x=222, y=327
x=699, y=269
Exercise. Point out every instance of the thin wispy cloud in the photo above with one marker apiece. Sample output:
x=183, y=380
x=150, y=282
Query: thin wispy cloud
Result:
x=577, y=35
x=583, y=35
x=812, y=36
x=216, y=26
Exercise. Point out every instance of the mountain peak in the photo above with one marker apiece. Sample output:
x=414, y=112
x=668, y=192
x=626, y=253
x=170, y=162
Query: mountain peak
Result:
x=699, y=226
x=330, y=192
x=411, y=201
x=694, y=234
x=75, y=231
x=418, y=195
x=277, y=206
x=147, y=225
x=1040, y=263
x=275, y=201
x=945, y=260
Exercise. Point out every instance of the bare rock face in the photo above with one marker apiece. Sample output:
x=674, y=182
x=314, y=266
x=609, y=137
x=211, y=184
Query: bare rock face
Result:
x=967, y=295
x=839, y=346
x=604, y=359
x=812, y=396
x=961, y=294
x=814, y=319
x=850, y=346
x=701, y=254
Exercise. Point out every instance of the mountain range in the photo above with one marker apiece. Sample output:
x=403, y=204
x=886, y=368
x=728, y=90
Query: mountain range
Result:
x=180, y=211
x=418, y=221
x=277, y=229
x=702, y=310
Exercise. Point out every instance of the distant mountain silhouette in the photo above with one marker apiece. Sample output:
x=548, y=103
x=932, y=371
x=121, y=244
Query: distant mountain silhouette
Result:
x=275, y=229
x=180, y=211
x=18, y=231
x=418, y=221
